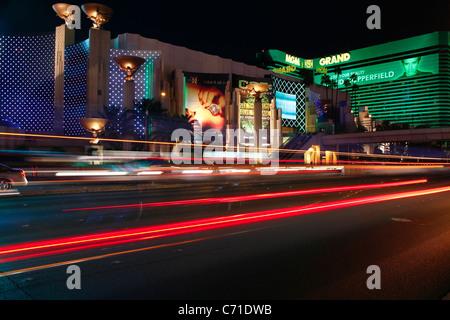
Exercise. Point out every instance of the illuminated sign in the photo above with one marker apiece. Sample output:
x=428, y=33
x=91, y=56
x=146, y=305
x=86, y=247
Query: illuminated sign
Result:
x=404, y=81
x=292, y=60
x=286, y=69
x=388, y=71
x=247, y=103
x=288, y=105
x=334, y=59
x=204, y=99
x=242, y=84
x=309, y=63
x=246, y=112
x=293, y=111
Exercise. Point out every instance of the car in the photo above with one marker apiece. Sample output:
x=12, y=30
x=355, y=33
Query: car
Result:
x=11, y=177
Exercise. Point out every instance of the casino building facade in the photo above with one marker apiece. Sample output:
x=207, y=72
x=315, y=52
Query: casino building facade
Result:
x=49, y=82
x=52, y=82
x=405, y=81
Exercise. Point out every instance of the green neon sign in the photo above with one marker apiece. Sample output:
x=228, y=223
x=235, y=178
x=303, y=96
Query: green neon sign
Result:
x=149, y=79
x=344, y=57
x=292, y=60
x=402, y=69
x=284, y=59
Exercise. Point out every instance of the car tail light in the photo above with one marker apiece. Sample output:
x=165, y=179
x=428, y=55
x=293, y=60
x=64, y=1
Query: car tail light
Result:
x=23, y=173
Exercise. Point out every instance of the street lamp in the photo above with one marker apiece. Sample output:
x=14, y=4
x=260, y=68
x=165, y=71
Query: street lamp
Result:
x=257, y=88
x=68, y=13
x=98, y=13
x=129, y=64
x=94, y=126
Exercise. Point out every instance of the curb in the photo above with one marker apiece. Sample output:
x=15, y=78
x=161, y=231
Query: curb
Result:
x=94, y=189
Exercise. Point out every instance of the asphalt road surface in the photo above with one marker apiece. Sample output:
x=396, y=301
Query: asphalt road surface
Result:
x=319, y=250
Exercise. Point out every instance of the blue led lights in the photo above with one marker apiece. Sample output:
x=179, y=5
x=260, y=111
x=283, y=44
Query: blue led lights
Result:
x=143, y=80
x=27, y=81
x=75, y=73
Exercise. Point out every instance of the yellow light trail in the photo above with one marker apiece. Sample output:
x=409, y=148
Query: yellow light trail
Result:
x=269, y=150
x=108, y=255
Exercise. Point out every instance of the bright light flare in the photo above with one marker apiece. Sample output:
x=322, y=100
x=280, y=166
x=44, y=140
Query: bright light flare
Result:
x=147, y=173
x=88, y=173
x=197, y=171
x=9, y=192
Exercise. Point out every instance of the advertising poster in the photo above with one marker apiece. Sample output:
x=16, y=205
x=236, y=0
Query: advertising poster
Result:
x=291, y=99
x=402, y=69
x=204, y=99
x=246, y=110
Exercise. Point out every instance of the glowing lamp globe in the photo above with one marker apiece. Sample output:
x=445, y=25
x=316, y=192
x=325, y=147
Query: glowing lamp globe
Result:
x=98, y=13
x=93, y=125
x=129, y=64
x=257, y=88
x=62, y=11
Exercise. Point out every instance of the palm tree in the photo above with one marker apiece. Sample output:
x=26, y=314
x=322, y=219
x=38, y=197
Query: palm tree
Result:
x=147, y=109
x=326, y=82
x=338, y=72
x=307, y=76
x=165, y=125
x=120, y=124
x=350, y=85
x=333, y=85
x=185, y=121
x=347, y=83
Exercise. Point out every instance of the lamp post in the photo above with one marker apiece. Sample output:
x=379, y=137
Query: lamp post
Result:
x=129, y=64
x=257, y=89
x=98, y=13
x=94, y=126
x=69, y=13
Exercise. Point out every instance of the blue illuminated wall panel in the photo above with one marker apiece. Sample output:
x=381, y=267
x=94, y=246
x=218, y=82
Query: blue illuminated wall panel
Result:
x=297, y=89
x=75, y=73
x=27, y=81
x=143, y=81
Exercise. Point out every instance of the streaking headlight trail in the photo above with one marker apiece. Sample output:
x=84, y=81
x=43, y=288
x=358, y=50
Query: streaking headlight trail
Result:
x=76, y=243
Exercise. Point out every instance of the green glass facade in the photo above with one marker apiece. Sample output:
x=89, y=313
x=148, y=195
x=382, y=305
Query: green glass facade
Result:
x=406, y=81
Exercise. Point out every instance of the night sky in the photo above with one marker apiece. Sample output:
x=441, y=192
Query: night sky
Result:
x=239, y=29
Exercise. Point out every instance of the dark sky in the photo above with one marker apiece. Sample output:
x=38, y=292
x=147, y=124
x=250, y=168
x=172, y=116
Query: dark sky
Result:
x=239, y=29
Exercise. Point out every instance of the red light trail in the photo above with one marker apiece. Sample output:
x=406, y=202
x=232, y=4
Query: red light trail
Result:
x=76, y=243
x=257, y=196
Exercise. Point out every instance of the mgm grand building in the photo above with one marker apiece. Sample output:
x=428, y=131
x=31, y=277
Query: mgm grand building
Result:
x=405, y=82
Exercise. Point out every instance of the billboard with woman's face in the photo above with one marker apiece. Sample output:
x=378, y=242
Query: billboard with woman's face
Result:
x=204, y=99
